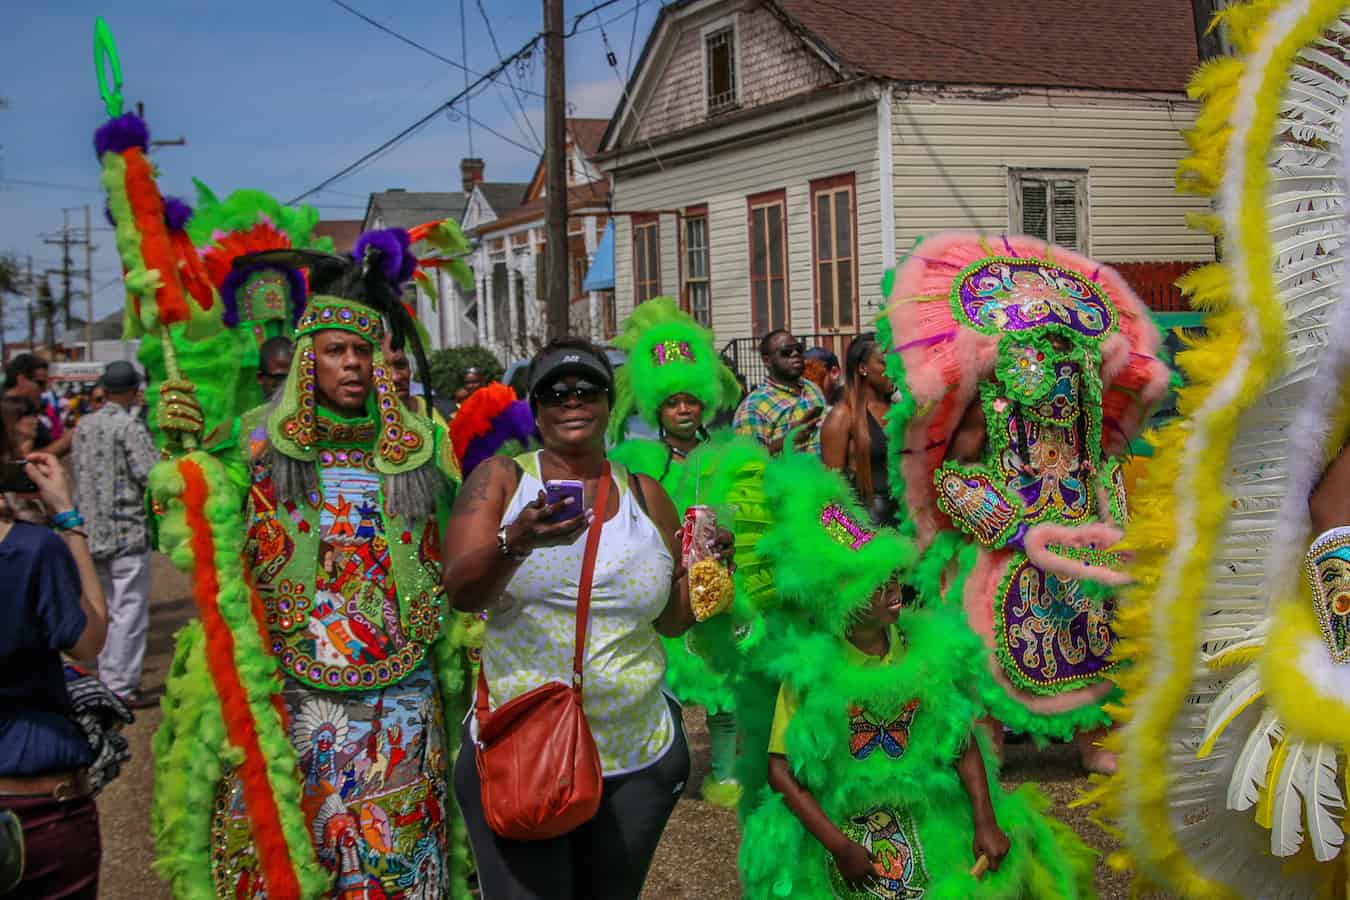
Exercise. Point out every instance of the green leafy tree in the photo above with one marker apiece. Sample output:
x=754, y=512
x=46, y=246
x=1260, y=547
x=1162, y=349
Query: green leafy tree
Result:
x=9, y=275
x=448, y=367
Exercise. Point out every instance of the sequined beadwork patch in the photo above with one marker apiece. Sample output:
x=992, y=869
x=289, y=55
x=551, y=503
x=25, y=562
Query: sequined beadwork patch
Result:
x=892, y=837
x=1005, y=294
x=1051, y=636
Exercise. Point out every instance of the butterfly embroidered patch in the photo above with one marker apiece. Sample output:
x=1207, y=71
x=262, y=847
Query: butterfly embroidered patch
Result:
x=866, y=733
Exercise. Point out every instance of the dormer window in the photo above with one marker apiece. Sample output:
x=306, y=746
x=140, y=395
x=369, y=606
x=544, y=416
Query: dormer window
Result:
x=721, y=69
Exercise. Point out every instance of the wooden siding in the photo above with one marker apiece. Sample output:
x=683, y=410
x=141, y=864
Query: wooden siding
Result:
x=723, y=182
x=771, y=65
x=952, y=157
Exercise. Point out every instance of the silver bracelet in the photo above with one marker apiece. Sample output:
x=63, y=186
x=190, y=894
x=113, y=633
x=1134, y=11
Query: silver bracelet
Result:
x=505, y=547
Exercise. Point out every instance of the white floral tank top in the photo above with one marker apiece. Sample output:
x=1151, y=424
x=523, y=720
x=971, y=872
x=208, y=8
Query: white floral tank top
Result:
x=529, y=637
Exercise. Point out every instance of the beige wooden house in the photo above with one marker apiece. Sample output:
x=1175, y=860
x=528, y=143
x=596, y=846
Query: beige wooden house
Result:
x=772, y=158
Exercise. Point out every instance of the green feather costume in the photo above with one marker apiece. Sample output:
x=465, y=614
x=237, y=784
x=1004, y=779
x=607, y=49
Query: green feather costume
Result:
x=258, y=305
x=669, y=353
x=876, y=743
x=358, y=769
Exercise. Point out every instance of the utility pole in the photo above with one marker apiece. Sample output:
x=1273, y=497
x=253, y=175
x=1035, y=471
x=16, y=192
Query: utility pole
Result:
x=66, y=240
x=88, y=283
x=32, y=305
x=555, y=166
x=47, y=308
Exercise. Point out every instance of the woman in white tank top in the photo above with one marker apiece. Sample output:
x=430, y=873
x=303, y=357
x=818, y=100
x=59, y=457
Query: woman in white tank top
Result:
x=502, y=557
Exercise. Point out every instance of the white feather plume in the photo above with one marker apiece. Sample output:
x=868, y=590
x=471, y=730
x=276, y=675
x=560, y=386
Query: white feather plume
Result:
x=1323, y=802
x=1286, y=820
x=1249, y=775
x=1241, y=690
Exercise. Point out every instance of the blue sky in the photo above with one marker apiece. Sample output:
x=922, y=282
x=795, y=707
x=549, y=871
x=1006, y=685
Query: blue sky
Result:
x=276, y=96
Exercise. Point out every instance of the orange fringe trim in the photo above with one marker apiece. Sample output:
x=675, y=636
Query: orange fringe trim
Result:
x=274, y=855
x=147, y=208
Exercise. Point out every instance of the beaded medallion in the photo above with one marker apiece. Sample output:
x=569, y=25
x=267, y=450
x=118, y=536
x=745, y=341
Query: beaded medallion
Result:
x=1327, y=568
x=1051, y=635
x=892, y=837
x=1004, y=294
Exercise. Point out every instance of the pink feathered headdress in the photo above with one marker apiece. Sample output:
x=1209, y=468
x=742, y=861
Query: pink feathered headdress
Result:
x=945, y=360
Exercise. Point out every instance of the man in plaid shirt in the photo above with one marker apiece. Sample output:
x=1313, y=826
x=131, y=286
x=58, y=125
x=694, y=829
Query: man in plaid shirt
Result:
x=785, y=402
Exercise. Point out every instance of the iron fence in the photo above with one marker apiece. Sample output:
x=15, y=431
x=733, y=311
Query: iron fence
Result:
x=742, y=354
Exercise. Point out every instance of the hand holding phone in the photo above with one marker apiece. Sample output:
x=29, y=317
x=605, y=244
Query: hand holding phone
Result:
x=558, y=492
x=14, y=478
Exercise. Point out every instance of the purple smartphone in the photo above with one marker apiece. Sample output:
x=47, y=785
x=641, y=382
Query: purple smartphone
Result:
x=555, y=491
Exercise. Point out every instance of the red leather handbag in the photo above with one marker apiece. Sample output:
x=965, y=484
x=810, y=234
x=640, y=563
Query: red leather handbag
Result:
x=537, y=762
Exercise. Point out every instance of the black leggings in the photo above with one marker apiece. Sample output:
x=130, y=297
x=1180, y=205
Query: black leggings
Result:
x=605, y=859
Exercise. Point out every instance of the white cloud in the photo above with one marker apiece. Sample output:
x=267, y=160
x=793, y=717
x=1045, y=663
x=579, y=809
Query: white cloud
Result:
x=594, y=99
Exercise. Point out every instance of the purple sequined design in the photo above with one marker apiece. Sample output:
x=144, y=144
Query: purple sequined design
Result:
x=1052, y=636
x=999, y=295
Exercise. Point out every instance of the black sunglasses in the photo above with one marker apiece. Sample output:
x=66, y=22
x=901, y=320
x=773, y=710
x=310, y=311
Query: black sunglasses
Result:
x=560, y=393
x=791, y=350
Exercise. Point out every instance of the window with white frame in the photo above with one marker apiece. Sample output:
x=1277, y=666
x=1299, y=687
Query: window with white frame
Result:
x=1051, y=204
x=720, y=70
x=698, y=296
x=646, y=257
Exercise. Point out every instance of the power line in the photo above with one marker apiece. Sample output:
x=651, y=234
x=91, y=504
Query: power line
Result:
x=492, y=36
x=410, y=42
x=464, y=52
x=496, y=70
x=525, y=51
x=492, y=131
x=50, y=185
x=576, y=20
x=632, y=39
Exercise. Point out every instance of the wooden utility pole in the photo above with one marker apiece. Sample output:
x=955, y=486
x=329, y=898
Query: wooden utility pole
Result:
x=88, y=282
x=555, y=167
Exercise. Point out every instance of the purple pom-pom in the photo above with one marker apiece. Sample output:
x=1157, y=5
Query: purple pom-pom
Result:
x=176, y=213
x=515, y=423
x=122, y=133
x=391, y=246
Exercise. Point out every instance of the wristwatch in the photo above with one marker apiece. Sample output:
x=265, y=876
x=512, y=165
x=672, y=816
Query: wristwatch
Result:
x=505, y=547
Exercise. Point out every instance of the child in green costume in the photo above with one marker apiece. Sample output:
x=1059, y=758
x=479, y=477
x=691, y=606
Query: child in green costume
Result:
x=877, y=788
x=674, y=379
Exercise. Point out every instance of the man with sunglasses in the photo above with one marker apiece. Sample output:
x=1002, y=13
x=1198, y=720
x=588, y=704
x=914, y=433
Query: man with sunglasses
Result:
x=785, y=404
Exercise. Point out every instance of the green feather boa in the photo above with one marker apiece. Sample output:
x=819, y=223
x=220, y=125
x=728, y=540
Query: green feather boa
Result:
x=779, y=858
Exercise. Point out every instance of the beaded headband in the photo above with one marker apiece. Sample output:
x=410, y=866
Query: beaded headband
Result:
x=324, y=313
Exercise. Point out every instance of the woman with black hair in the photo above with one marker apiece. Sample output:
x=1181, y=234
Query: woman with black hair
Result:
x=853, y=439
x=515, y=550
x=52, y=604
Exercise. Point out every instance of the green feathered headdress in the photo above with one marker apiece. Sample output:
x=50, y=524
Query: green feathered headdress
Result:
x=668, y=353
x=826, y=557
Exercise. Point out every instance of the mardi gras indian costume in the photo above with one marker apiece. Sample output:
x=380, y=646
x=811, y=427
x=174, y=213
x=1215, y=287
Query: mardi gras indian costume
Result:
x=668, y=353
x=1231, y=780
x=875, y=740
x=303, y=751
x=342, y=552
x=1041, y=363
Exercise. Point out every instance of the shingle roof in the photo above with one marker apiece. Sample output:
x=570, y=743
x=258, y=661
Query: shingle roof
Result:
x=580, y=196
x=1131, y=45
x=586, y=134
x=503, y=196
x=404, y=209
x=344, y=232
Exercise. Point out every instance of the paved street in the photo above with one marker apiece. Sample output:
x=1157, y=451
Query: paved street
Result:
x=697, y=858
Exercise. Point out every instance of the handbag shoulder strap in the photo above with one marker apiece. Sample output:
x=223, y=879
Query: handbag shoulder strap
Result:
x=588, y=575
x=583, y=598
